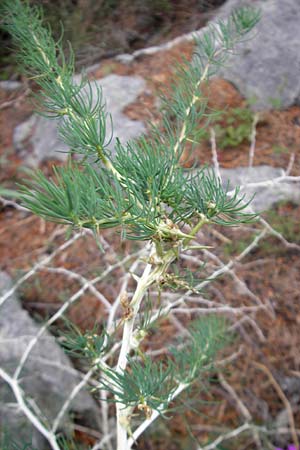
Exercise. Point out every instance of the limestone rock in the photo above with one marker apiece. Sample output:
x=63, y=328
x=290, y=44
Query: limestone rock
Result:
x=267, y=66
x=47, y=378
x=264, y=196
x=10, y=85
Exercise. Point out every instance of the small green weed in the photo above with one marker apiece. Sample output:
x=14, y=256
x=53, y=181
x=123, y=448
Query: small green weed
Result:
x=232, y=127
x=285, y=220
x=275, y=102
x=236, y=129
x=280, y=149
x=4, y=156
x=235, y=247
x=108, y=69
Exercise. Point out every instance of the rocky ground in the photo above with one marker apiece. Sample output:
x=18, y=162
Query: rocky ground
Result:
x=262, y=384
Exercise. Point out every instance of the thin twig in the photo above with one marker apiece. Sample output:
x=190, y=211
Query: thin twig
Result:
x=38, y=266
x=15, y=101
x=213, y=145
x=61, y=311
x=82, y=280
x=227, y=436
x=49, y=436
x=253, y=140
x=283, y=398
x=241, y=406
x=290, y=164
x=13, y=204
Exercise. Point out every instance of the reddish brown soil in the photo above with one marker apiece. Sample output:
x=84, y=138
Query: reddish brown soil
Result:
x=271, y=271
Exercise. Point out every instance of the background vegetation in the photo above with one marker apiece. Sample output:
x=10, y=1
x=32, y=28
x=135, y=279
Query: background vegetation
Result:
x=104, y=28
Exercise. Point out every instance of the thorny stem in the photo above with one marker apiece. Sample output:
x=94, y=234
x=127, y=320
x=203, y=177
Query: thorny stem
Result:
x=188, y=110
x=203, y=220
x=161, y=262
x=181, y=387
x=195, y=99
x=145, y=281
x=122, y=412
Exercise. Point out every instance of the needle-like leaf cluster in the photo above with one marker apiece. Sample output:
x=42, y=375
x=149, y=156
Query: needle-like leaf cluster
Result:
x=77, y=196
x=197, y=353
x=88, y=345
x=78, y=103
x=151, y=384
x=7, y=442
x=139, y=187
x=143, y=384
x=186, y=102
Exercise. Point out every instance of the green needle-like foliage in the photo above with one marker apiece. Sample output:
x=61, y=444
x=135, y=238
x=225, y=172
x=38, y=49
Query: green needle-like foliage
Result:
x=151, y=384
x=145, y=384
x=205, y=195
x=197, y=353
x=88, y=345
x=83, y=112
x=142, y=189
x=83, y=197
x=7, y=442
x=186, y=102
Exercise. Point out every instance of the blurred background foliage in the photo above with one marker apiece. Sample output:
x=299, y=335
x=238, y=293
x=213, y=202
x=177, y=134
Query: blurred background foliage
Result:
x=99, y=29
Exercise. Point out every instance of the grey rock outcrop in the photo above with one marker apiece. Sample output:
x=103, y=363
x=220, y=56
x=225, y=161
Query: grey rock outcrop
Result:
x=267, y=67
x=37, y=138
x=10, y=85
x=47, y=378
x=265, y=196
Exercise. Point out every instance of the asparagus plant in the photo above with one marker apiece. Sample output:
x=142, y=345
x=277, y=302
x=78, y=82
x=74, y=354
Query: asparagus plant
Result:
x=139, y=189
